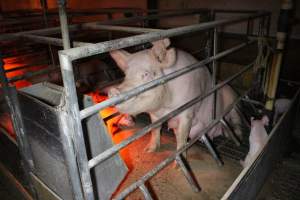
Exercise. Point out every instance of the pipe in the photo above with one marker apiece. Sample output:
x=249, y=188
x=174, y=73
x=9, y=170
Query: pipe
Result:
x=15, y=113
x=64, y=24
x=51, y=40
x=102, y=47
x=72, y=109
x=44, y=6
x=126, y=95
x=98, y=26
x=214, y=72
x=282, y=31
x=76, y=27
x=75, y=127
x=26, y=66
x=32, y=74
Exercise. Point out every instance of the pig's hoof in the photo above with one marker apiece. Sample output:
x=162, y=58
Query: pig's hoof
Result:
x=150, y=149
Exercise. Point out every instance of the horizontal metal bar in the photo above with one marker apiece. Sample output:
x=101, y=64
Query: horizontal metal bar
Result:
x=107, y=22
x=98, y=26
x=41, y=63
x=32, y=74
x=113, y=150
x=102, y=47
x=50, y=40
x=152, y=17
x=131, y=93
x=46, y=31
x=253, y=102
x=171, y=158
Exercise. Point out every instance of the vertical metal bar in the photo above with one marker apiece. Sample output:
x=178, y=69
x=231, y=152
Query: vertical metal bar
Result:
x=243, y=116
x=64, y=23
x=44, y=6
x=214, y=72
x=23, y=146
x=212, y=150
x=72, y=109
x=187, y=174
x=268, y=25
x=71, y=158
x=145, y=192
x=230, y=131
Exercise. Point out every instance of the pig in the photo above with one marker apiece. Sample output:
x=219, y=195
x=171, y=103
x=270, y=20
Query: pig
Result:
x=257, y=138
x=149, y=64
x=281, y=106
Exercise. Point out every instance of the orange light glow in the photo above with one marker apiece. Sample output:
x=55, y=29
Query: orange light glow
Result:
x=13, y=63
x=112, y=128
x=97, y=98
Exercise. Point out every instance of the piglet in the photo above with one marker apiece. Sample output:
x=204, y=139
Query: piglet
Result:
x=258, y=137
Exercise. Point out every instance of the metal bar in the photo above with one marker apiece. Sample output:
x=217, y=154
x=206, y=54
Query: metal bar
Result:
x=107, y=22
x=51, y=40
x=26, y=66
x=145, y=192
x=243, y=116
x=187, y=174
x=71, y=160
x=64, y=24
x=152, y=17
x=98, y=26
x=168, y=160
x=212, y=150
x=46, y=31
x=230, y=131
x=72, y=109
x=107, y=153
x=246, y=99
x=126, y=95
x=16, y=184
x=76, y=127
x=44, y=6
x=214, y=72
x=32, y=74
x=102, y=47
x=12, y=102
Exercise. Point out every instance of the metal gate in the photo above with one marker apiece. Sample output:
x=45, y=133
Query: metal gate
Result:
x=73, y=125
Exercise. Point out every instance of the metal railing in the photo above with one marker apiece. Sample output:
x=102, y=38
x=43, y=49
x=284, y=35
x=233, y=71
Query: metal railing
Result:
x=73, y=127
x=67, y=56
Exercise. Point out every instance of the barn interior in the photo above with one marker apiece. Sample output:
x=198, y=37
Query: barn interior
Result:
x=62, y=136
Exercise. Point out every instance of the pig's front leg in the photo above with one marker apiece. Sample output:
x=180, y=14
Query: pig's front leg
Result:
x=183, y=129
x=154, y=143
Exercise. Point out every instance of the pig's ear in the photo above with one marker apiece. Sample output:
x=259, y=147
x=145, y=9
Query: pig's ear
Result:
x=121, y=57
x=161, y=56
x=265, y=120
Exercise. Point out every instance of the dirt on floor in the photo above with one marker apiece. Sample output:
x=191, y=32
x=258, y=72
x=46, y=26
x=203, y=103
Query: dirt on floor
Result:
x=170, y=183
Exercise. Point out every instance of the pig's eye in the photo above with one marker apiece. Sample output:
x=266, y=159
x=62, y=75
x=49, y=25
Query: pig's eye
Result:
x=146, y=75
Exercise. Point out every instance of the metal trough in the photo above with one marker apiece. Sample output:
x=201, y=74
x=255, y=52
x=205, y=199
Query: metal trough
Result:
x=45, y=124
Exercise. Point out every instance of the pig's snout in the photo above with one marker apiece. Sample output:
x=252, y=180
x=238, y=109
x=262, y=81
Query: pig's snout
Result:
x=113, y=92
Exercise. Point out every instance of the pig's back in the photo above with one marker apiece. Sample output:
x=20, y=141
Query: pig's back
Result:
x=189, y=85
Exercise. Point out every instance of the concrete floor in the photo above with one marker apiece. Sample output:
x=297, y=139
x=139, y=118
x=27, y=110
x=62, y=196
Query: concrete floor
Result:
x=170, y=182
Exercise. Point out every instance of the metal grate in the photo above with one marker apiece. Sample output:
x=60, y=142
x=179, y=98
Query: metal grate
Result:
x=226, y=147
